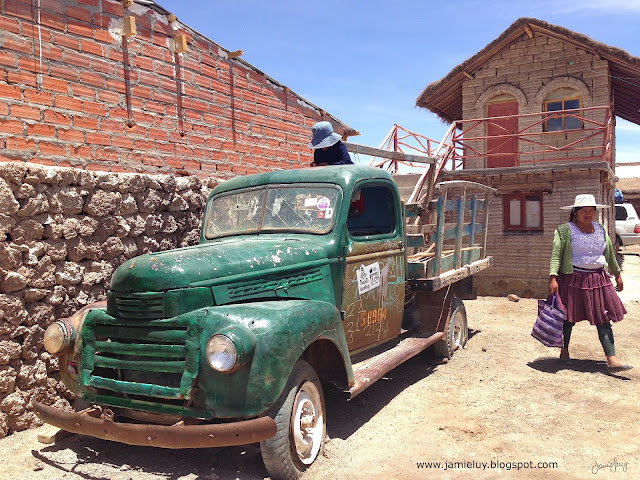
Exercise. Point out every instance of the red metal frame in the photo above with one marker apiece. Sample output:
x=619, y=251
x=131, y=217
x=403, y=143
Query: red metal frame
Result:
x=398, y=140
x=460, y=144
x=592, y=128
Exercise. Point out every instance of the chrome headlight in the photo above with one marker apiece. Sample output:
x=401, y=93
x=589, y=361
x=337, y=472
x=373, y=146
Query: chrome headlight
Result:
x=221, y=352
x=57, y=337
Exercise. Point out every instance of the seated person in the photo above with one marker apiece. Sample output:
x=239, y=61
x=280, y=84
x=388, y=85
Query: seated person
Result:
x=328, y=149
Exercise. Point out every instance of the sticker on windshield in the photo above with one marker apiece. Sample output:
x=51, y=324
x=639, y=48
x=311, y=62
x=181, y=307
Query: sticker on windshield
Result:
x=368, y=277
x=324, y=203
x=328, y=213
x=311, y=202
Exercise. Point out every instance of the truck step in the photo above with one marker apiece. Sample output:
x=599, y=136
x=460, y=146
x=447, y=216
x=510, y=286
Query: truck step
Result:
x=373, y=368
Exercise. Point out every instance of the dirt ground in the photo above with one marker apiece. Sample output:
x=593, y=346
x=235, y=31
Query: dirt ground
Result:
x=504, y=407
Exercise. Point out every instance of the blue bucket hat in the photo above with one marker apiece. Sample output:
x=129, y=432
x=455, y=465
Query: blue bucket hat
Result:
x=323, y=135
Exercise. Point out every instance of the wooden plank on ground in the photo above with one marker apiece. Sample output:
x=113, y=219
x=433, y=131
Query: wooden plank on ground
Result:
x=51, y=434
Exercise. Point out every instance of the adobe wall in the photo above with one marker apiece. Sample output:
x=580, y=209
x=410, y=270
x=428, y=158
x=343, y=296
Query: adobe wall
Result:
x=74, y=94
x=528, y=70
x=63, y=232
x=521, y=259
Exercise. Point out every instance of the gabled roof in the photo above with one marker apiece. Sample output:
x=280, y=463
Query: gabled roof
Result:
x=444, y=97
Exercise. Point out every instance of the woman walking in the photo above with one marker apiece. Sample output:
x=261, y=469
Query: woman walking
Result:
x=581, y=251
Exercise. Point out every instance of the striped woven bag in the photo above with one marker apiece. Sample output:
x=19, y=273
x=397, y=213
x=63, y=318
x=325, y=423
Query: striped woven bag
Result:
x=548, y=326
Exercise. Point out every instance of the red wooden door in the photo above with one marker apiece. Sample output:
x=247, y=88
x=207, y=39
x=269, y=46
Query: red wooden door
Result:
x=504, y=149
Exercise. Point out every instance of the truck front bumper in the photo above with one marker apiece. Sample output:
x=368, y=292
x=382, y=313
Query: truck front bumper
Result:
x=192, y=436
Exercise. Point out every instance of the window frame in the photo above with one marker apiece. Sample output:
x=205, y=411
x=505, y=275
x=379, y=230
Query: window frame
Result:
x=260, y=228
x=621, y=208
x=506, y=212
x=545, y=106
x=396, y=221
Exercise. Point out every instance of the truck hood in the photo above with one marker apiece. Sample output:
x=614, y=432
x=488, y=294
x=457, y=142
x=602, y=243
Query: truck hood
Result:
x=199, y=264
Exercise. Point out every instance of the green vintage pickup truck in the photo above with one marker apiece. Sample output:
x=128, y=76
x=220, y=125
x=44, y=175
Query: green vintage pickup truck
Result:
x=301, y=279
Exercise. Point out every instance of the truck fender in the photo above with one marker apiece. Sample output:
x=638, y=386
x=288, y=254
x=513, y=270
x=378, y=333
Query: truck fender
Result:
x=282, y=332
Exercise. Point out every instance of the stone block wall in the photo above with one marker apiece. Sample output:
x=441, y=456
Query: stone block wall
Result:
x=63, y=232
x=76, y=91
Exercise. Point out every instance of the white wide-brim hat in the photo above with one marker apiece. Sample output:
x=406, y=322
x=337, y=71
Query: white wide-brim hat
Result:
x=585, y=200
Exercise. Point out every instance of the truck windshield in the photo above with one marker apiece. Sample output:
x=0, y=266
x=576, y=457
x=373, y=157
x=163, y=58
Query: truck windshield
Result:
x=299, y=208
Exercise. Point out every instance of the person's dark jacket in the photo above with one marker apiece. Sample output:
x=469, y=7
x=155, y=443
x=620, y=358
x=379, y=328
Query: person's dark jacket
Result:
x=336, y=154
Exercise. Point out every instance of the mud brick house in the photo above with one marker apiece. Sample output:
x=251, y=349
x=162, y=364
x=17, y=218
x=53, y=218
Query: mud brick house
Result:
x=533, y=115
x=124, y=86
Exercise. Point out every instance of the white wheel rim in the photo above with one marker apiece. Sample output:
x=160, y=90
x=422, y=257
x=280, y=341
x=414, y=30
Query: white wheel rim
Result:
x=457, y=330
x=307, y=423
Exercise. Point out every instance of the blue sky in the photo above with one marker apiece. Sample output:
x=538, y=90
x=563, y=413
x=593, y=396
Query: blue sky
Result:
x=366, y=62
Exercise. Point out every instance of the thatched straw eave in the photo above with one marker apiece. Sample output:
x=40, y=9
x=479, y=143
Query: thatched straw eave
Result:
x=444, y=97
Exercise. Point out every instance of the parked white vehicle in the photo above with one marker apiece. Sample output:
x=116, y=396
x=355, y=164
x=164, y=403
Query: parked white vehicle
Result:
x=627, y=226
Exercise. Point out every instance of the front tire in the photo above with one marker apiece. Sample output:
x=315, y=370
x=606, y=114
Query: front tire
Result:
x=299, y=414
x=457, y=332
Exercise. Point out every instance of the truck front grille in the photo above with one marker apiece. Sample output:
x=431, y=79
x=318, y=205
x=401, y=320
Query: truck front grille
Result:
x=148, y=362
x=139, y=305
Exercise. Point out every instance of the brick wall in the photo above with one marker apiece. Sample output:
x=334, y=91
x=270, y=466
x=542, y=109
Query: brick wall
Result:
x=73, y=94
x=528, y=70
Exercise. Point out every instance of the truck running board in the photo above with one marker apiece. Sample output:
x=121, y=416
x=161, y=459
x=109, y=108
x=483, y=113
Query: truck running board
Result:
x=368, y=371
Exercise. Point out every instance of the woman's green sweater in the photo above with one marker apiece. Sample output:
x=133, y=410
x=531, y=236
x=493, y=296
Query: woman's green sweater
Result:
x=561, y=252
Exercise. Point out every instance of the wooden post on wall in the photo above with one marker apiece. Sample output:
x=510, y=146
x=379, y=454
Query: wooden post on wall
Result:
x=178, y=67
x=127, y=82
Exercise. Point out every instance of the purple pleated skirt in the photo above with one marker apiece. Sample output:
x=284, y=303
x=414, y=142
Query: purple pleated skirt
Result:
x=590, y=296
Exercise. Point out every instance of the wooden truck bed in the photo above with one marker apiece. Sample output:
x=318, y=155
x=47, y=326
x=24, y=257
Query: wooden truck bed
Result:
x=449, y=237
x=446, y=237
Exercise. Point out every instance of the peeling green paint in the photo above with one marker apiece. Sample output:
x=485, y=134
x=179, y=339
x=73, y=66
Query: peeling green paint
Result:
x=279, y=292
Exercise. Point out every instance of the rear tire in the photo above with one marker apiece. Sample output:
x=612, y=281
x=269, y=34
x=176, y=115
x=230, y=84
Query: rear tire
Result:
x=457, y=332
x=301, y=431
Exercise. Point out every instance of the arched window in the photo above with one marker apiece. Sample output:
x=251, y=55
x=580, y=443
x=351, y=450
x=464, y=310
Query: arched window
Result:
x=559, y=100
x=503, y=98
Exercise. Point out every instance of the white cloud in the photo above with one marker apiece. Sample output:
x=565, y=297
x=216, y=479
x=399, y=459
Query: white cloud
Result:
x=625, y=126
x=609, y=7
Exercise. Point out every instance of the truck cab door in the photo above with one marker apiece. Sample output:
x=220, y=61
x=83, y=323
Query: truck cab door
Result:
x=374, y=273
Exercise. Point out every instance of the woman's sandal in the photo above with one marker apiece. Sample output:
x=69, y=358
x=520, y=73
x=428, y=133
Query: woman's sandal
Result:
x=619, y=368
